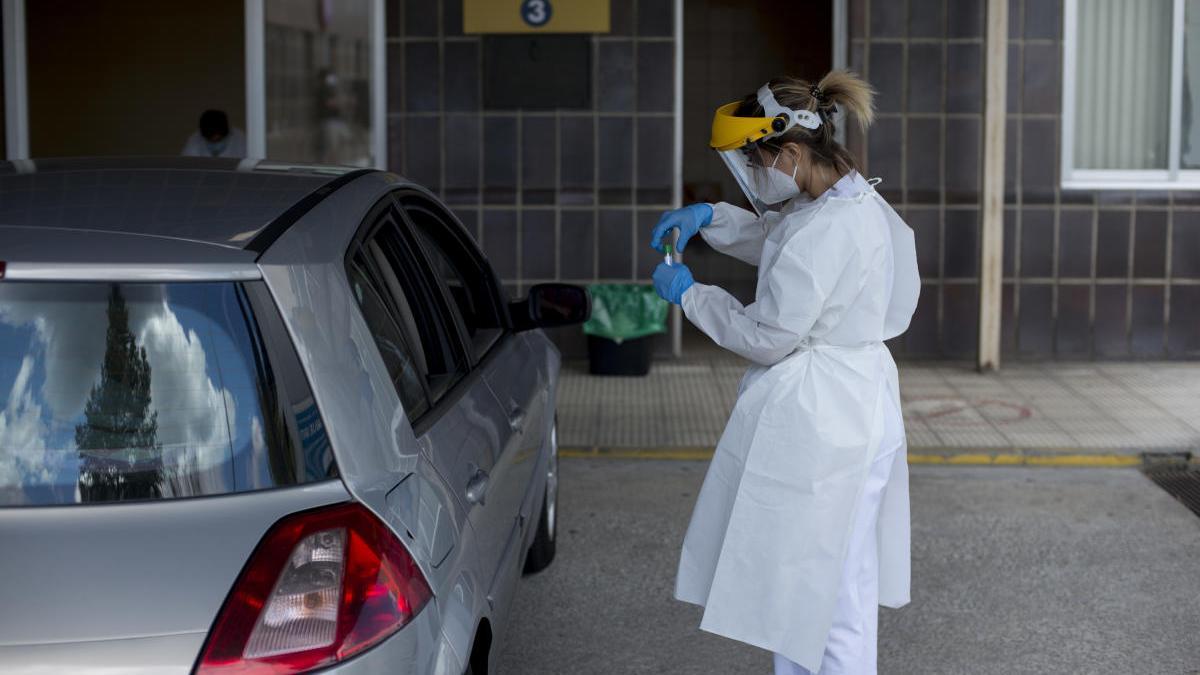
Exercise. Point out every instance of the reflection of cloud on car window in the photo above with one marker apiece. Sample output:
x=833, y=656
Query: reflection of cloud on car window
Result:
x=22, y=433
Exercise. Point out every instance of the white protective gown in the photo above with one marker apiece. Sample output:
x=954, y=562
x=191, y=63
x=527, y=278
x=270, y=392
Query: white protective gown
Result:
x=765, y=547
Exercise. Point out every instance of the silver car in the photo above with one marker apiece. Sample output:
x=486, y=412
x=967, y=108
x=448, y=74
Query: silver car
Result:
x=260, y=418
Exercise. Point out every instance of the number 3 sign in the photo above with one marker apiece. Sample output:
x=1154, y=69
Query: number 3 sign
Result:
x=536, y=12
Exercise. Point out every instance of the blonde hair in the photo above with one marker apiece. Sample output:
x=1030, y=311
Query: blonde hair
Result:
x=838, y=90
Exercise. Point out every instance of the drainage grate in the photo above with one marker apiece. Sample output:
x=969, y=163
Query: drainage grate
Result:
x=1179, y=481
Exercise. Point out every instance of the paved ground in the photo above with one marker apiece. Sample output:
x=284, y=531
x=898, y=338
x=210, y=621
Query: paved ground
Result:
x=1016, y=570
x=1037, y=409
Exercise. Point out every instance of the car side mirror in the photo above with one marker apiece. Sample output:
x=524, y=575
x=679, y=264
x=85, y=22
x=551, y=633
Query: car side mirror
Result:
x=550, y=306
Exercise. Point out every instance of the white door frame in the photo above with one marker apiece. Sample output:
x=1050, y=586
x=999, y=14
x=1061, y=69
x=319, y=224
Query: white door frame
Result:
x=256, y=81
x=16, y=90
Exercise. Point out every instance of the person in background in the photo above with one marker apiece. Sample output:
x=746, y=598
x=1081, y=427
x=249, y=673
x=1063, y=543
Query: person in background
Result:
x=215, y=138
x=801, y=529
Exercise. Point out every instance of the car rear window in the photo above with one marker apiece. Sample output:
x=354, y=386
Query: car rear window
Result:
x=134, y=391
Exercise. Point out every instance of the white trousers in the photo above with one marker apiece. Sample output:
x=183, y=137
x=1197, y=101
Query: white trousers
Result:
x=852, y=643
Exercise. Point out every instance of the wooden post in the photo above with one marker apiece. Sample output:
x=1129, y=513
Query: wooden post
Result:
x=991, y=255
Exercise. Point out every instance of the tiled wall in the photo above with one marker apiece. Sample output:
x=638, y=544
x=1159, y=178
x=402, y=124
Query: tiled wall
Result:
x=551, y=195
x=1087, y=274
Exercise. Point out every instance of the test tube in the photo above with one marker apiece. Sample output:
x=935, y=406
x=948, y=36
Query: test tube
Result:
x=667, y=257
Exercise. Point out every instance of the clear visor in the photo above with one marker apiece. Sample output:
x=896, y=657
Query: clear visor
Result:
x=748, y=169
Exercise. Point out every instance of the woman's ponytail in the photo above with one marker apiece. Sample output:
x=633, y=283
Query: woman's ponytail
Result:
x=850, y=93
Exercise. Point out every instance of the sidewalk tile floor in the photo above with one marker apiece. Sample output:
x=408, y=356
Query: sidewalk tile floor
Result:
x=1040, y=407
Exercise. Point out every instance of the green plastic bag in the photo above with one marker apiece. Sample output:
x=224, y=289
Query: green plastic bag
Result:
x=625, y=311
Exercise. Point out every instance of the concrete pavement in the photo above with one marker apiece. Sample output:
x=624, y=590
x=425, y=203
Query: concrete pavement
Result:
x=1015, y=570
x=1025, y=413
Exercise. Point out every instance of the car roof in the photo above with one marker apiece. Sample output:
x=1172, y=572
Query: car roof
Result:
x=164, y=210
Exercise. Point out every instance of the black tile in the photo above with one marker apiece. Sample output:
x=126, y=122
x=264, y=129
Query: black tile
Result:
x=395, y=85
x=1014, y=20
x=500, y=241
x=655, y=18
x=1035, y=336
x=423, y=158
x=461, y=76
x=576, y=248
x=1112, y=244
x=621, y=17
x=655, y=160
x=962, y=162
x=925, y=18
x=1075, y=243
x=961, y=250
x=569, y=340
x=964, y=78
x=1152, y=197
x=1114, y=197
x=539, y=155
x=960, y=320
x=420, y=19
x=655, y=76
x=1012, y=141
x=1010, y=242
x=858, y=57
x=858, y=18
x=1185, y=197
x=922, y=162
x=1012, y=85
x=1039, y=161
x=396, y=149
x=499, y=160
x=1184, y=337
x=1037, y=242
x=1110, y=332
x=1040, y=90
x=883, y=156
x=462, y=147
x=1077, y=197
x=1042, y=19
x=1185, y=245
x=964, y=18
x=421, y=77
x=616, y=160
x=1150, y=244
x=887, y=20
x=452, y=18
x=576, y=160
x=1146, y=325
x=921, y=338
x=886, y=73
x=924, y=77
x=925, y=223
x=614, y=86
x=538, y=244
x=1008, y=320
x=615, y=243
x=1071, y=335
x=394, y=10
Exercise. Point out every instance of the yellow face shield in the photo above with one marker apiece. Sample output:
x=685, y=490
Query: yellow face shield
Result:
x=734, y=138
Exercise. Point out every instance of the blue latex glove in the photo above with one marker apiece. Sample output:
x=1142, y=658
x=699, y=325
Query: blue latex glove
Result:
x=687, y=220
x=671, y=281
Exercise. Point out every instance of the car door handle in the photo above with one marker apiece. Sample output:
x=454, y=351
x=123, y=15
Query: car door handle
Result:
x=516, y=418
x=477, y=487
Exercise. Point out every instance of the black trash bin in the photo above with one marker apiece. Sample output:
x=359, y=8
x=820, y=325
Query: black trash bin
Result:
x=625, y=318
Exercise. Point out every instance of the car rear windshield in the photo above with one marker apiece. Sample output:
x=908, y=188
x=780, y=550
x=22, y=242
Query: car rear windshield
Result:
x=133, y=391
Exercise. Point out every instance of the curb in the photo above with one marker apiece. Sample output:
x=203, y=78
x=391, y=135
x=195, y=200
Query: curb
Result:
x=1047, y=457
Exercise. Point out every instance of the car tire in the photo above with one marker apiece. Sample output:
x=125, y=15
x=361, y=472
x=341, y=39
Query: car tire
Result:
x=541, y=552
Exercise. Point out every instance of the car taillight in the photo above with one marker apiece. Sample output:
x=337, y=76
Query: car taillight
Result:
x=322, y=586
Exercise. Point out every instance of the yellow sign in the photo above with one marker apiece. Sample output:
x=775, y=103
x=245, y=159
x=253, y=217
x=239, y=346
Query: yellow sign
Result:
x=535, y=16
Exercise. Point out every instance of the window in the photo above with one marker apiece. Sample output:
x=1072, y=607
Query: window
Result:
x=467, y=277
x=405, y=366
x=123, y=391
x=416, y=308
x=1131, y=99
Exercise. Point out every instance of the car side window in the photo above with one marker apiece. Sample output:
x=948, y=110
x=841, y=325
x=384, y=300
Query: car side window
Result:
x=405, y=365
x=407, y=290
x=463, y=271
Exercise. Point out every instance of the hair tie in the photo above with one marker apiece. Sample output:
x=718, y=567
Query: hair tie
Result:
x=819, y=95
